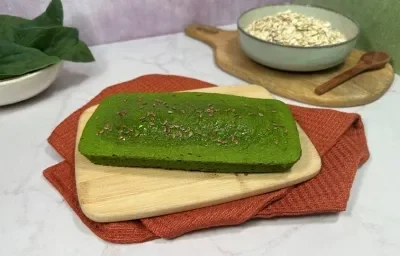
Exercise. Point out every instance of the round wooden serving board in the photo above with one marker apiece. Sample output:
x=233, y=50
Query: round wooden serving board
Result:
x=108, y=194
x=363, y=89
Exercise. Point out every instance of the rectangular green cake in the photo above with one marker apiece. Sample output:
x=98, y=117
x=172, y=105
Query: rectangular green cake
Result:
x=192, y=131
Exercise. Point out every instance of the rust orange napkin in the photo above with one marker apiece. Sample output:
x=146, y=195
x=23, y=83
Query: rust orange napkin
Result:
x=339, y=138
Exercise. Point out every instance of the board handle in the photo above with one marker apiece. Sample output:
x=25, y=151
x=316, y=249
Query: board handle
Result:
x=206, y=33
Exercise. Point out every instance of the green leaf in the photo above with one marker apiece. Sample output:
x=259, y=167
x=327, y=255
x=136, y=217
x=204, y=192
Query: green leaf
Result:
x=16, y=60
x=76, y=51
x=8, y=24
x=44, y=38
x=62, y=42
x=54, y=14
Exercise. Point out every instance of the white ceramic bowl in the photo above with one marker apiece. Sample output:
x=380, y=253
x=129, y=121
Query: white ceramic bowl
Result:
x=24, y=87
x=295, y=58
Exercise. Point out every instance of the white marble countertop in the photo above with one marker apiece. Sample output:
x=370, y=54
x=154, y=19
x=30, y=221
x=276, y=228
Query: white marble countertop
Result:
x=35, y=220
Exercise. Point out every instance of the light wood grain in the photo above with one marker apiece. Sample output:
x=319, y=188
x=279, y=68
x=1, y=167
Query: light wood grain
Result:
x=360, y=90
x=109, y=194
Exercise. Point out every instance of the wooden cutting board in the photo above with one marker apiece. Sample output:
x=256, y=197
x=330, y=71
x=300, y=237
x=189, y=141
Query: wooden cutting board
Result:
x=361, y=90
x=108, y=194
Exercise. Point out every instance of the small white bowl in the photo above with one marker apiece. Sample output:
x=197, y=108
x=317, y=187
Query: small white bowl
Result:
x=24, y=87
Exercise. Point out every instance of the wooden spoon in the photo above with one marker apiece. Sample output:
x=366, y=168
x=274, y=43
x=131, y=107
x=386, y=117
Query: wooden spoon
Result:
x=369, y=61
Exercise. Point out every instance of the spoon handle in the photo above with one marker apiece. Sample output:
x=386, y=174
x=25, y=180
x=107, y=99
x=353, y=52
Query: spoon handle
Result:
x=334, y=82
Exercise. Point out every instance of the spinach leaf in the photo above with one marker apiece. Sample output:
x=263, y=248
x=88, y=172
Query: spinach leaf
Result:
x=62, y=42
x=77, y=51
x=16, y=60
x=43, y=38
x=7, y=26
x=54, y=14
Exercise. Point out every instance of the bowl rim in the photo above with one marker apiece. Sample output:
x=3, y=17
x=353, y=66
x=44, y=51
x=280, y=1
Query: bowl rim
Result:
x=241, y=29
x=26, y=76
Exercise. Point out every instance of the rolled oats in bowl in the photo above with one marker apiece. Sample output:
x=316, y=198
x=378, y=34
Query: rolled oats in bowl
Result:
x=295, y=29
x=294, y=37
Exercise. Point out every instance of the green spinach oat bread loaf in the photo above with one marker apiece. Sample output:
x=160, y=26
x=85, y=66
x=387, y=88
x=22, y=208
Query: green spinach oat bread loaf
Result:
x=192, y=131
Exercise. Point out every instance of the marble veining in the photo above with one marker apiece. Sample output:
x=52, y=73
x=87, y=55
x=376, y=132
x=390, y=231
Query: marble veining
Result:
x=35, y=220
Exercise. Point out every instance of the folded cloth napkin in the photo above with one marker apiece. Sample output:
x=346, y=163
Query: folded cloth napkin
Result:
x=339, y=138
